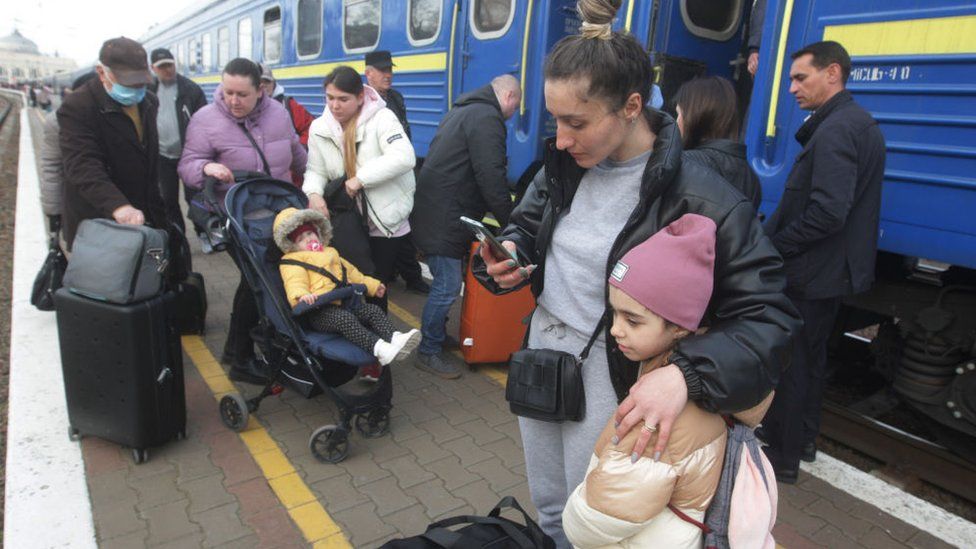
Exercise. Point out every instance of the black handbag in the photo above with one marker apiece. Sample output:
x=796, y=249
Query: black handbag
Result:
x=50, y=277
x=493, y=531
x=350, y=233
x=547, y=385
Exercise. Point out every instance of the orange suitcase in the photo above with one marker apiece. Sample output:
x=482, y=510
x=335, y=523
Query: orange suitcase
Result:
x=491, y=325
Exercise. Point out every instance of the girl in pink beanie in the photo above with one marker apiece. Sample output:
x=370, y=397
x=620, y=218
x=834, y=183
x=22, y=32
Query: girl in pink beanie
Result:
x=659, y=292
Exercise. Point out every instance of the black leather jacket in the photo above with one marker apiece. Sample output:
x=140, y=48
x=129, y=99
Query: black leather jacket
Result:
x=738, y=361
x=728, y=159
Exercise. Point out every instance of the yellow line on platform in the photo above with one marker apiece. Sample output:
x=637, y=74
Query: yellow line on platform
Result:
x=316, y=525
x=493, y=371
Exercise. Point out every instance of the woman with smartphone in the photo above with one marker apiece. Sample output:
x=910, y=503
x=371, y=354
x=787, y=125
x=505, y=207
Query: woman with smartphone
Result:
x=612, y=177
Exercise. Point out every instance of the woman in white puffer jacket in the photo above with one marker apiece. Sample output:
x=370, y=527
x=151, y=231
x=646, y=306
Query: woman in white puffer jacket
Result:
x=358, y=138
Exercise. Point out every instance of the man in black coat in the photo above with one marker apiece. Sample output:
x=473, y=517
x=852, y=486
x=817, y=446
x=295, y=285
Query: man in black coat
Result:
x=179, y=97
x=379, y=75
x=826, y=229
x=465, y=174
x=109, y=144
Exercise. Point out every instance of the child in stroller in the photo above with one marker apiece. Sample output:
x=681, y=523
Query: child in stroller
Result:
x=310, y=268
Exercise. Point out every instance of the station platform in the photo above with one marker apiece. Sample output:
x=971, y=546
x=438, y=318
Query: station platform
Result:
x=453, y=448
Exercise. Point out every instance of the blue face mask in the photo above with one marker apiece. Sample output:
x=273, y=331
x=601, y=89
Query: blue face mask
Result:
x=126, y=95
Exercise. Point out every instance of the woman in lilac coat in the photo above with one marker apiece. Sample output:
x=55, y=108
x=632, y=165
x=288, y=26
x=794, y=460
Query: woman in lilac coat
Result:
x=217, y=144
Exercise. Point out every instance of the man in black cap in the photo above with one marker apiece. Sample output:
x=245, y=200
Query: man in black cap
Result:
x=179, y=97
x=379, y=76
x=109, y=143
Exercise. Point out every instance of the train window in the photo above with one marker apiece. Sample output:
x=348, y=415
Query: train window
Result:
x=491, y=18
x=180, y=50
x=244, y=38
x=425, y=21
x=272, y=35
x=206, y=56
x=308, y=32
x=193, y=49
x=361, y=24
x=712, y=19
x=223, y=47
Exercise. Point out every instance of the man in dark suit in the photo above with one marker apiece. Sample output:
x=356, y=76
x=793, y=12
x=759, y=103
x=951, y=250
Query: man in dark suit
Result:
x=109, y=143
x=379, y=75
x=826, y=229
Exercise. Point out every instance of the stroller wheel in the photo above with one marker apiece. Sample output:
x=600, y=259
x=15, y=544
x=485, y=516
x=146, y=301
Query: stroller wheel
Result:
x=329, y=444
x=234, y=411
x=374, y=424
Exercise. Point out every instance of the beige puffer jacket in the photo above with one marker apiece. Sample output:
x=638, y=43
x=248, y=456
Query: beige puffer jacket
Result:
x=624, y=504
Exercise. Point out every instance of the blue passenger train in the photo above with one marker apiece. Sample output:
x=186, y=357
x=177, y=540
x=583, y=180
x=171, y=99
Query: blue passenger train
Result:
x=914, y=69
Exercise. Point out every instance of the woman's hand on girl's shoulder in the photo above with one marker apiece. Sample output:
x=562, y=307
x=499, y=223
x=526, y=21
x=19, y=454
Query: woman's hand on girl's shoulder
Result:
x=654, y=402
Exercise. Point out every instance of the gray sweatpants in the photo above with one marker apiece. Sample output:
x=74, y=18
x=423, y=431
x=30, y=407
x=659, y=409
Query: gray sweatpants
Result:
x=557, y=454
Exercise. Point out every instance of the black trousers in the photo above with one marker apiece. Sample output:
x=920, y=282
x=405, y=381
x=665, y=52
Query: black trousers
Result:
x=407, y=265
x=243, y=316
x=169, y=188
x=794, y=417
x=385, y=252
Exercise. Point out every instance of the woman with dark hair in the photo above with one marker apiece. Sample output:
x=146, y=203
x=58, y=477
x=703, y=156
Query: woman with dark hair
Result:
x=242, y=130
x=358, y=147
x=611, y=178
x=709, y=123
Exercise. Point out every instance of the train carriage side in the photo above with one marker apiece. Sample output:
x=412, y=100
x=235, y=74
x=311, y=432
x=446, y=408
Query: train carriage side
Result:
x=914, y=69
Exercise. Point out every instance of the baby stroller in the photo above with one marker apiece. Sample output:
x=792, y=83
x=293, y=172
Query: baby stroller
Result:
x=306, y=361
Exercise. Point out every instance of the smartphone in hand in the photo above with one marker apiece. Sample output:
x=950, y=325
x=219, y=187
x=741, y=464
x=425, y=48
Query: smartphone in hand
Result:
x=487, y=239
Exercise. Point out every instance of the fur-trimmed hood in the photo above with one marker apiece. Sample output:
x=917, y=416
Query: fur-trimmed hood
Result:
x=290, y=219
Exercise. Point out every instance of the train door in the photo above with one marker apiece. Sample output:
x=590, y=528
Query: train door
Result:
x=690, y=38
x=488, y=42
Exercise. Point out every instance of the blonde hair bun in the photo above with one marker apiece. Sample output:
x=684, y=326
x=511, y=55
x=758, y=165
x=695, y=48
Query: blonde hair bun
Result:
x=597, y=16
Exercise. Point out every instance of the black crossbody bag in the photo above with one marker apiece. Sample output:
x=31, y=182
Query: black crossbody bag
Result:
x=547, y=385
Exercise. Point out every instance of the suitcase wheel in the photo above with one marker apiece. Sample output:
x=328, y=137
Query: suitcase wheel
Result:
x=140, y=455
x=329, y=444
x=234, y=412
x=181, y=434
x=374, y=424
x=73, y=434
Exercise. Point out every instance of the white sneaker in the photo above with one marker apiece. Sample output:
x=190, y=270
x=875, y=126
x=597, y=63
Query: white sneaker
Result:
x=385, y=352
x=407, y=342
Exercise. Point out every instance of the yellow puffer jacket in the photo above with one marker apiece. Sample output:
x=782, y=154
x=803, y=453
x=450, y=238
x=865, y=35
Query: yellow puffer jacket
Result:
x=299, y=281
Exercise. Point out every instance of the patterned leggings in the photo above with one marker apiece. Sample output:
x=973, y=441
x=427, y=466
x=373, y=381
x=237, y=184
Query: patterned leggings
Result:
x=363, y=325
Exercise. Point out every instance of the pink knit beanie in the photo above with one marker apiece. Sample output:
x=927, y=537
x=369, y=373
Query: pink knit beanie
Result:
x=671, y=273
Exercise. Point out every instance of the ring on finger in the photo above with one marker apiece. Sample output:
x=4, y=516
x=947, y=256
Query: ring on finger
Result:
x=648, y=428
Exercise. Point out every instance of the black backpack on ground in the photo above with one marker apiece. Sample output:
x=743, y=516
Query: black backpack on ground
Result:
x=190, y=310
x=492, y=531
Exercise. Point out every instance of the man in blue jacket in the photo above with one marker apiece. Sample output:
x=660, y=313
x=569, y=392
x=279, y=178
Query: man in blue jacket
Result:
x=826, y=229
x=465, y=174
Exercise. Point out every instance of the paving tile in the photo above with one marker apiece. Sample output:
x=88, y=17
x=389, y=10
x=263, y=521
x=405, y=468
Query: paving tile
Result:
x=879, y=538
x=382, y=448
x=402, y=428
x=440, y=430
x=895, y=528
x=804, y=524
x=206, y=493
x=406, y=471
x=456, y=413
x=221, y=525
x=786, y=536
x=362, y=467
x=137, y=539
x=255, y=496
x=434, y=397
x=425, y=450
x=478, y=495
x=111, y=490
x=280, y=421
x=506, y=449
x=492, y=414
x=169, y=522
x=194, y=464
x=451, y=473
x=498, y=477
x=238, y=467
x=184, y=542
x=797, y=495
x=435, y=499
x=924, y=540
x=830, y=536
x=364, y=524
x=417, y=411
x=852, y=526
x=156, y=490
x=410, y=521
x=103, y=458
x=481, y=432
x=274, y=528
x=466, y=449
x=116, y=521
x=338, y=493
x=387, y=496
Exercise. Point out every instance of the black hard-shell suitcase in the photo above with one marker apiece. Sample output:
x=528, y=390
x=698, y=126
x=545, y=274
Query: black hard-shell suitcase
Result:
x=123, y=370
x=191, y=305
